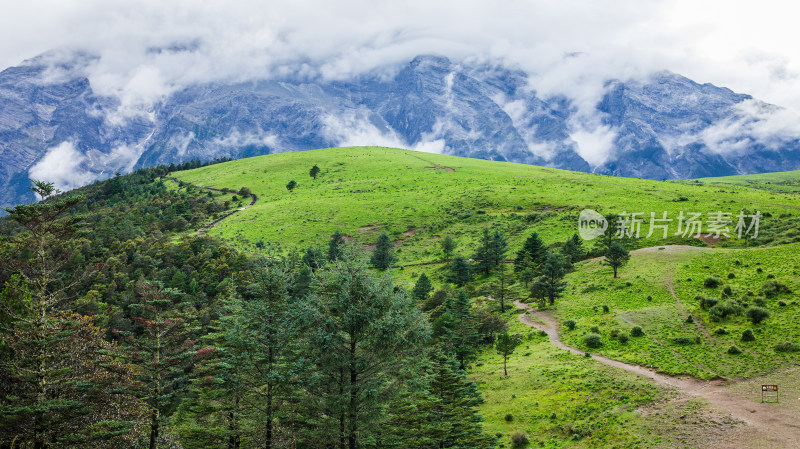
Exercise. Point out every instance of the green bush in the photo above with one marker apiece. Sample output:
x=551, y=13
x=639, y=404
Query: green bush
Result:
x=721, y=331
x=519, y=439
x=690, y=319
x=595, y=329
x=637, y=331
x=727, y=291
x=724, y=310
x=774, y=288
x=786, y=346
x=757, y=314
x=605, y=309
x=570, y=324
x=731, y=276
x=708, y=303
x=509, y=417
x=712, y=282
x=747, y=335
x=623, y=338
x=733, y=350
x=683, y=341
x=593, y=340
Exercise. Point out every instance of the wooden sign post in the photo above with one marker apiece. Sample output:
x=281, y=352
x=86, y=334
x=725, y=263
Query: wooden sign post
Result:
x=767, y=390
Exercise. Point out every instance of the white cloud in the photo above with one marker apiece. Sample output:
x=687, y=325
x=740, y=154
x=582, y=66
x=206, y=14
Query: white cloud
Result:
x=596, y=145
x=62, y=165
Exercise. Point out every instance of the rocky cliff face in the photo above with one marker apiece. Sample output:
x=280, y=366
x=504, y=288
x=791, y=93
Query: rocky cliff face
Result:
x=52, y=124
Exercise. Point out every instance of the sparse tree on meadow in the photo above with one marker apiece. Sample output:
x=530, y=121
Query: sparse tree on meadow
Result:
x=460, y=271
x=532, y=255
x=422, y=288
x=616, y=257
x=551, y=283
x=448, y=246
x=314, y=171
x=505, y=346
x=383, y=255
x=292, y=184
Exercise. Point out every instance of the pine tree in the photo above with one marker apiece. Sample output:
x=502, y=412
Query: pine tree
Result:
x=56, y=388
x=448, y=246
x=259, y=341
x=442, y=414
x=532, y=254
x=161, y=355
x=484, y=254
x=313, y=258
x=499, y=246
x=362, y=331
x=573, y=249
x=551, y=282
x=335, y=246
x=382, y=256
x=314, y=171
x=616, y=257
x=460, y=271
x=463, y=338
x=422, y=288
x=505, y=346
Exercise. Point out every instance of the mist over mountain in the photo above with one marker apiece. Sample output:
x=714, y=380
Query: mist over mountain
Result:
x=54, y=126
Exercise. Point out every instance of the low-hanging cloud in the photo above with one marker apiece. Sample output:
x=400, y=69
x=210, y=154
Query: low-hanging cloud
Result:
x=145, y=50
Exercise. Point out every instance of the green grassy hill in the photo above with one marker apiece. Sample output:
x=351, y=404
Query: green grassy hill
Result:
x=562, y=399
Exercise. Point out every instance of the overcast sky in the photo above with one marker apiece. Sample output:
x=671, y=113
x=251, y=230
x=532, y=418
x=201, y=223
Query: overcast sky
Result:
x=571, y=45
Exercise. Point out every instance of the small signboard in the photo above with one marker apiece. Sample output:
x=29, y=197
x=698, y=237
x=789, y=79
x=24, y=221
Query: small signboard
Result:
x=769, y=391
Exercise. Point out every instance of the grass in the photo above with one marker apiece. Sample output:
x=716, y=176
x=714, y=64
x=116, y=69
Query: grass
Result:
x=418, y=198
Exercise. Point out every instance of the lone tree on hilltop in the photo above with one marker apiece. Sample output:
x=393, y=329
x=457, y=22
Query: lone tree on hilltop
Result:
x=314, y=171
x=292, y=184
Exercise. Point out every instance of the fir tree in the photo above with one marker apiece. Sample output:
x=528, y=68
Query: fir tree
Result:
x=313, y=258
x=460, y=271
x=573, y=249
x=383, y=255
x=448, y=246
x=551, y=282
x=314, y=171
x=335, y=246
x=484, y=254
x=532, y=254
x=422, y=288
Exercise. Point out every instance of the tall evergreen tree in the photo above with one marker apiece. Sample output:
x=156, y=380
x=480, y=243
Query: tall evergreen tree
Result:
x=422, y=288
x=551, y=283
x=54, y=379
x=460, y=271
x=442, y=414
x=335, y=246
x=363, y=330
x=573, y=249
x=532, y=255
x=314, y=258
x=383, y=255
x=161, y=355
x=499, y=246
x=314, y=171
x=448, y=246
x=616, y=257
x=502, y=287
x=484, y=256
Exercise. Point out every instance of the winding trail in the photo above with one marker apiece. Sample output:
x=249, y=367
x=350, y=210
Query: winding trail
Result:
x=764, y=421
x=204, y=229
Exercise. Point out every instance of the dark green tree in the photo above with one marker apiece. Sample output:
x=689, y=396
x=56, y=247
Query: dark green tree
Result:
x=463, y=337
x=532, y=255
x=551, y=282
x=502, y=287
x=441, y=414
x=314, y=258
x=459, y=271
x=362, y=332
x=573, y=249
x=505, y=346
x=448, y=246
x=161, y=355
x=616, y=257
x=335, y=246
x=422, y=288
x=492, y=251
x=314, y=171
x=383, y=255
x=291, y=185
x=499, y=246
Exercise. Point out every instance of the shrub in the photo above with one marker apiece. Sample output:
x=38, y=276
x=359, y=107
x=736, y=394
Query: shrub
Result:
x=605, y=309
x=690, y=319
x=712, y=282
x=724, y=310
x=757, y=314
x=781, y=303
x=733, y=350
x=760, y=301
x=683, y=341
x=570, y=324
x=593, y=340
x=786, y=346
x=623, y=338
x=727, y=291
x=519, y=439
x=649, y=297
x=595, y=329
x=244, y=191
x=770, y=276
x=637, y=331
x=708, y=303
x=509, y=417
x=747, y=335
x=773, y=288
x=614, y=333
x=731, y=275
x=721, y=331
x=759, y=270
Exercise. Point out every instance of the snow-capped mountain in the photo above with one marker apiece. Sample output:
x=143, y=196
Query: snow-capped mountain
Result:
x=53, y=126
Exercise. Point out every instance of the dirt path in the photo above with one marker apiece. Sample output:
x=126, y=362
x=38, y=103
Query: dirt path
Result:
x=204, y=229
x=765, y=422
